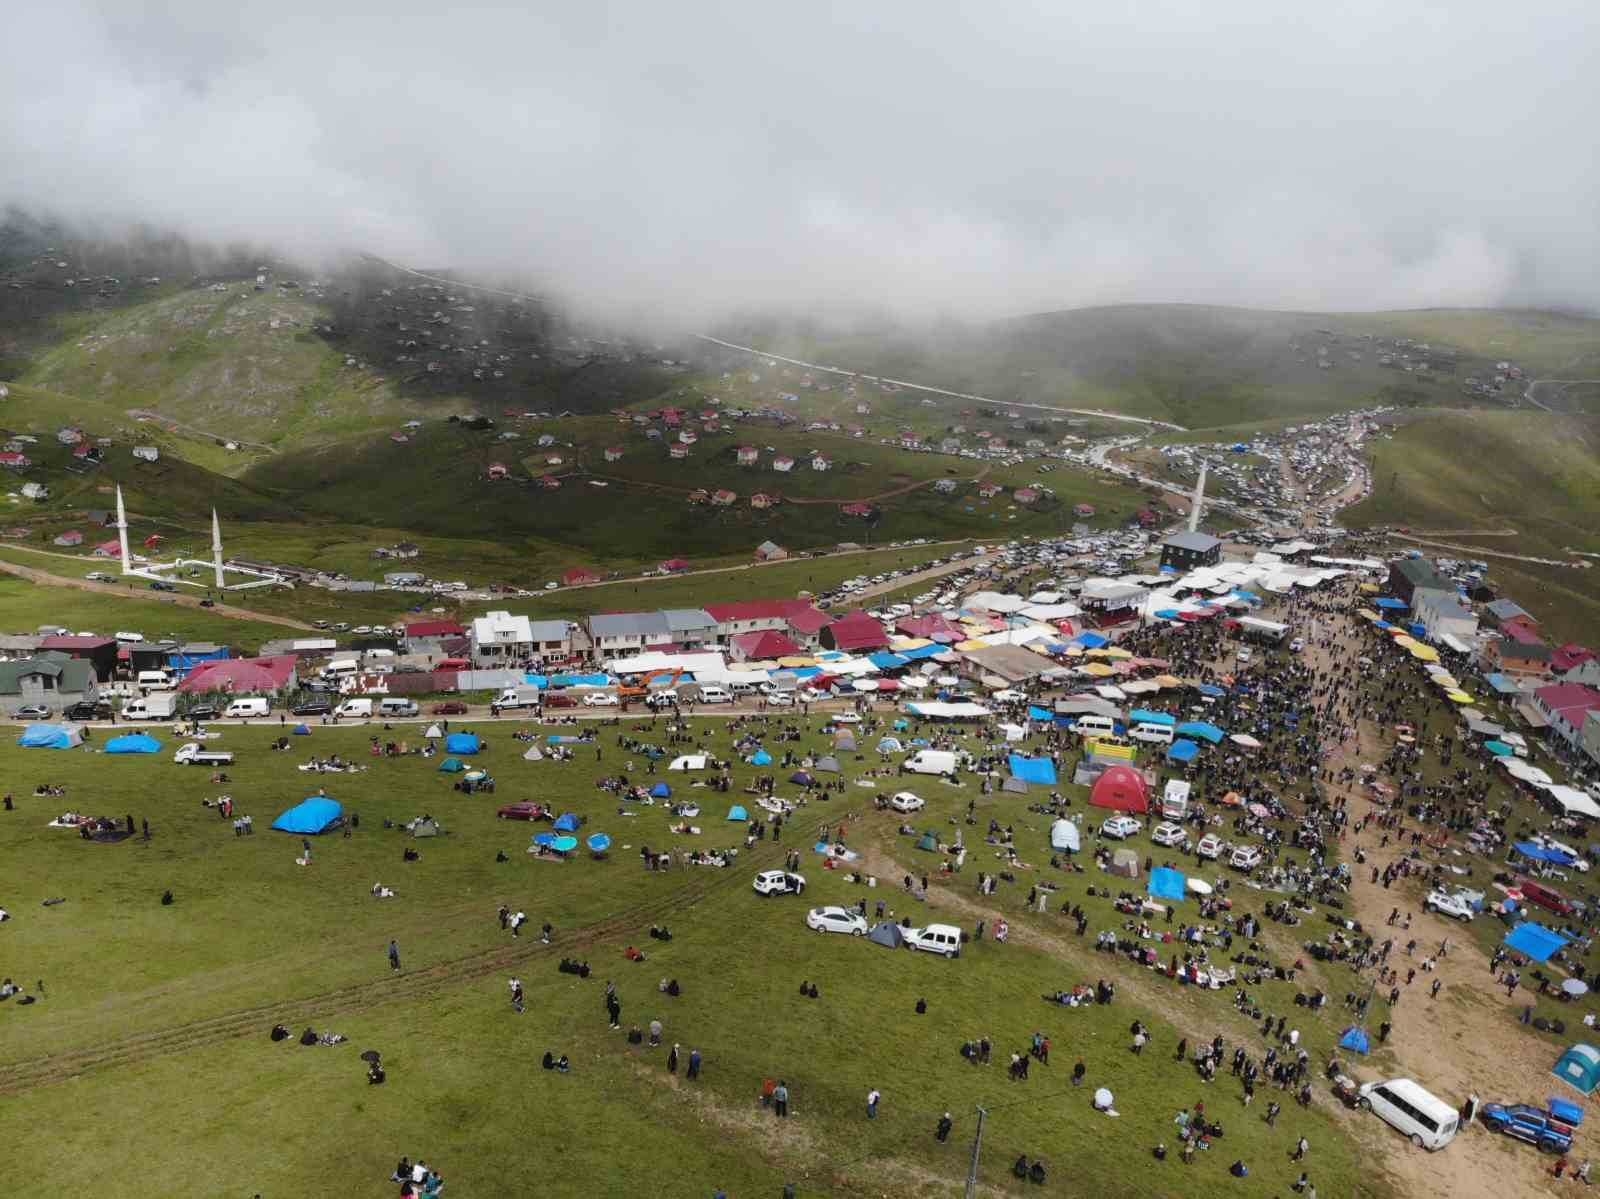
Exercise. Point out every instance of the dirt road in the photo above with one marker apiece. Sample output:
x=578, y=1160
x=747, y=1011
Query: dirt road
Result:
x=230, y=611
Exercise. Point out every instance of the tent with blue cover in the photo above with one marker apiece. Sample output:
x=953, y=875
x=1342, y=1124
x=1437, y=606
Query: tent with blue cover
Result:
x=544, y=838
x=737, y=812
x=1202, y=729
x=310, y=816
x=1535, y=940
x=929, y=841
x=1579, y=1067
x=1167, y=883
x=452, y=766
x=1038, y=713
x=567, y=822
x=1091, y=640
x=660, y=791
x=801, y=778
x=1033, y=770
x=1390, y=603
x=1149, y=716
x=890, y=745
x=461, y=743
x=761, y=758
x=51, y=736
x=1167, y=614
x=302, y=730
x=598, y=843
x=1209, y=689
x=133, y=743
x=1355, y=1040
x=1543, y=853
x=1182, y=750
x=901, y=725
x=1499, y=749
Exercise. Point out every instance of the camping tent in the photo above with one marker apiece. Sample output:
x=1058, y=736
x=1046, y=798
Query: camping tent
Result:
x=433, y=730
x=1166, y=883
x=1534, y=940
x=1121, y=788
x=461, y=743
x=660, y=791
x=1033, y=770
x=688, y=762
x=1355, y=1039
x=51, y=736
x=1543, y=853
x=829, y=764
x=1014, y=785
x=1579, y=1067
x=133, y=743
x=534, y=754
x=302, y=730
x=887, y=933
x=890, y=745
x=929, y=841
x=761, y=758
x=426, y=827
x=1183, y=750
x=737, y=812
x=309, y=816
x=801, y=778
x=452, y=766
x=845, y=743
x=1064, y=836
x=1125, y=863
x=567, y=822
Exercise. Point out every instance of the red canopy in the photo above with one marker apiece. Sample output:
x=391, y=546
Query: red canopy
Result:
x=1121, y=788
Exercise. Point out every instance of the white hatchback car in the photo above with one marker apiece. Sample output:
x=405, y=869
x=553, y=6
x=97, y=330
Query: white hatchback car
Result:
x=1449, y=905
x=1167, y=833
x=837, y=920
x=1211, y=846
x=1119, y=827
x=780, y=699
x=1245, y=857
x=905, y=801
x=779, y=882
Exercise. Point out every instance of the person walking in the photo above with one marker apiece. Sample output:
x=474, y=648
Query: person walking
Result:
x=1433, y=991
x=672, y=1059
x=780, y=1100
x=942, y=1132
x=394, y=956
x=693, y=1071
x=1300, y=1148
x=872, y=1103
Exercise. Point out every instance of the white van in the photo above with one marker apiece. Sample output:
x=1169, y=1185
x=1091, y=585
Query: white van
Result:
x=936, y=938
x=1429, y=1121
x=1175, y=799
x=154, y=680
x=742, y=686
x=243, y=709
x=710, y=693
x=354, y=707
x=395, y=705
x=1089, y=726
x=340, y=668
x=1151, y=733
x=933, y=761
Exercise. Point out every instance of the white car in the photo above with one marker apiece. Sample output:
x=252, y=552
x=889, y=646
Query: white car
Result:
x=1244, y=657
x=599, y=699
x=1119, y=827
x=781, y=699
x=1167, y=833
x=1298, y=644
x=779, y=882
x=1009, y=697
x=1245, y=857
x=837, y=920
x=907, y=802
x=847, y=718
x=1211, y=846
x=1449, y=905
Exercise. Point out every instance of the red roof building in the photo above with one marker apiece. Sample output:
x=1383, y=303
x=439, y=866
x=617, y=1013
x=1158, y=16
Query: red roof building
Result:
x=930, y=626
x=1566, y=705
x=762, y=500
x=749, y=647
x=1025, y=495
x=242, y=676
x=14, y=459
x=613, y=453
x=674, y=566
x=853, y=633
x=723, y=498
x=1570, y=655
x=108, y=549
x=435, y=628
x=578, y=576
x=748, y=455
x=856, y=508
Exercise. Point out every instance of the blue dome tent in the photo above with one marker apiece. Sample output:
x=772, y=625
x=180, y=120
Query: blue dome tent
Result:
x=302, y=730
x=133, y=743
x=1355, y=1040
x=567, y=822
x=660, y=791
x=452, y=766
x=461, y=743
x=309, y=816
x=737, y=812
x=1579, y=1067
x=761, y=758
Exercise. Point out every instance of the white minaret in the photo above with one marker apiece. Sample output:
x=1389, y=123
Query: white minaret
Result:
x=1199, y=499
x=122, y=532
x=216, y=547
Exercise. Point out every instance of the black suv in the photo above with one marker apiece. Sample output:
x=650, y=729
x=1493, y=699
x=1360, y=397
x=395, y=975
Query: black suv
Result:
x=85, y=710
x=312, y=707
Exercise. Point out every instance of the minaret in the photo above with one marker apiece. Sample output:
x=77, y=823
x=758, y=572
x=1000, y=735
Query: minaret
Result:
x=122, y=532
x=216, y=547
x=1199, y=498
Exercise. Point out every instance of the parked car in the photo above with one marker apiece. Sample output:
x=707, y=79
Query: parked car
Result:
x=779, y=882
x=85, y=710
x=599, y=699
x=780, y=699
x=837, y=920
x=944, y=939
x=451, y=707
x=1119, y=827
x=661, y=699
x=33, y=712
x=557, y=700
x=1167, y=833
x=1211, y=846
x=1244, y=657
x=202, y=712
x=159, y=585
x=523, y=810
x=1539, y=1126
x=312, y=707
x=905, y=801
x=1245, y=857
x=1298, y=644
x=1449, y=905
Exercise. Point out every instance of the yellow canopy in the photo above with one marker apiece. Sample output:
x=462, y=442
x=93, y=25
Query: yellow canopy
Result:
x=975, y=643
x=1073, y=651
x=1369, y=614
x=1405, y=640
x=1370, y=588
x=1168, y=680
x=1098, y=652
x=1448, y=681
x=1098, y=669
x=1116, y=651
x=1460, y=697
x=1423, y=653
x=795, y=662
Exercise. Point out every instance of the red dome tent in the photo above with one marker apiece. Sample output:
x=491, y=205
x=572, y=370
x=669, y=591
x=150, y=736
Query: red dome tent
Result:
x=1122, y=788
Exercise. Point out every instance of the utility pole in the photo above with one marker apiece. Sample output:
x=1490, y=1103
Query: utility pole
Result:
x=977, y=1146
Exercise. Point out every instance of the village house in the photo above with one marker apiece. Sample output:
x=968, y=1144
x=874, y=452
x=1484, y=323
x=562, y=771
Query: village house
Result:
x=677, y=450
x=1566, y=706
x=783, y=464
x=1407, y=574
x=989, y=490
x=770, y=551
x=498, y=470
x=1517, y=654
x=945, y=486
x=15, y=460
x=548, y=482
x=613, y=453
x=71, y=537
x=620, y=633
x=52, y=679
x=99, y=652
x=748, y=455
x=579, y=576
x=1083, y=510
x=762, y=500
x=1504, y=611
x=429, y=636
x=107, y=549
x=757, y=647
x=1444, y=613
x=821, y=462
x=950, y=445
x=792, y=616
x=1186, y=551
x=699, y=496
x=857, y=508
x=723, y=498
x=1025, y=495
x=854, y=633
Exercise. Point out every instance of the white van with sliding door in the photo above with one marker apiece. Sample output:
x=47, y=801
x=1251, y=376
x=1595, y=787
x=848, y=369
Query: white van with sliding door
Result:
x=1151, y=733
x=1089, y=726
x=1429, y=1121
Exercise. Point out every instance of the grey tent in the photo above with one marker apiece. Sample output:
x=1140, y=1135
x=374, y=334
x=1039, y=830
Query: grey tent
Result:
x=888, y=934
x=425, y=828
x=845, y=743
x=1014, y=785
x=929, y=841
x=829, y=764
x=1125, y=863
x=1064, y=835
x=534, y=754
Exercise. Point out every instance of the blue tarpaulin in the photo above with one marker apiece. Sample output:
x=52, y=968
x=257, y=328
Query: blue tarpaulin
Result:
x=600, y=679
x=309, y=817
x=1383, y=624
x=884, y=660
x=461, y=743
x=1502, y=684
x=1390, y=603
x=1535, y=940
x=1039, y=713
x=1033, y=770
x=1543, y=853
x=921, y=651
x=49, y=736
x=1146, y=716
x=1091, y=640
x=1166, y=883
x=1166, y=614
x=1208, y=689
x=1182, y=751
x=1499, y=749
x=133, y=743
x=535, y=680
x=1202, y=729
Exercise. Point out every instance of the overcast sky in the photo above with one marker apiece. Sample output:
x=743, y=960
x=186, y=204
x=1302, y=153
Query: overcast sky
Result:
x=687, y=159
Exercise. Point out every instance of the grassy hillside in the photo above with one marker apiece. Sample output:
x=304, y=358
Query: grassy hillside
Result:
x=1200, y=366
x=1449, y=472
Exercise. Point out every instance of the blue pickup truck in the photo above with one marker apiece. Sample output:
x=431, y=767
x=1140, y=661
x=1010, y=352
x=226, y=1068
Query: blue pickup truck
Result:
x=1550, y=1128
